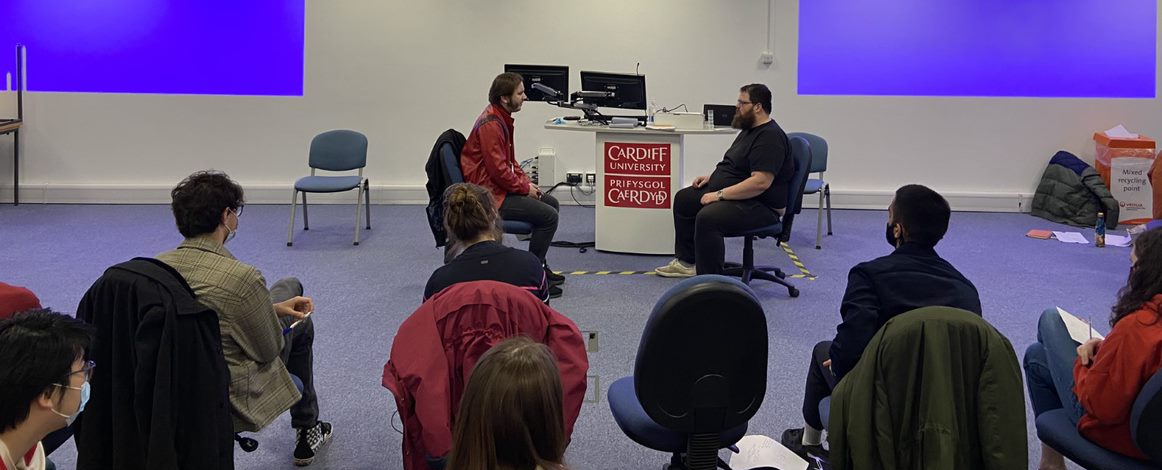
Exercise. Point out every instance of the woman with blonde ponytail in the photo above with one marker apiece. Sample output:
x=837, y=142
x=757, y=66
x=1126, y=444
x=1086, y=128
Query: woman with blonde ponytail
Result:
x=473, y=224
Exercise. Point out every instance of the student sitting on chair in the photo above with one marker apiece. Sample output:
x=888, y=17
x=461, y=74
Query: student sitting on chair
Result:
x=1097, y=381
x=473, y=224
x=912, y=276
x=44, y=382
x=511, y=414
x=261, y=348
x=747, y=190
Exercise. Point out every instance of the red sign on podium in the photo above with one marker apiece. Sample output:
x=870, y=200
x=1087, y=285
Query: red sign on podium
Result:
x=637, y=192
x=632, y=158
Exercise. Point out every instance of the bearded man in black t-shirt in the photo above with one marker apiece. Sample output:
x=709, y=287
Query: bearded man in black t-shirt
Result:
x=747, y=190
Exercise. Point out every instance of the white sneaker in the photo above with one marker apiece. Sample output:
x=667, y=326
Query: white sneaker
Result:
x=676, y=268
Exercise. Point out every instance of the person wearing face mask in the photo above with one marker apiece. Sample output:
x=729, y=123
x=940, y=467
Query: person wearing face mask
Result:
x=912, y=276
x=267, y=336
x=44, y=382
x=1097, y=381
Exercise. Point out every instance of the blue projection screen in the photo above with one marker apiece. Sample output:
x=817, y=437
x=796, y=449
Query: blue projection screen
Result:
x=1027, y=48
x=248, y=47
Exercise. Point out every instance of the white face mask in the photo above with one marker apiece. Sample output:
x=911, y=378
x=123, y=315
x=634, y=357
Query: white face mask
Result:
x=85, y=389
x=232, y=233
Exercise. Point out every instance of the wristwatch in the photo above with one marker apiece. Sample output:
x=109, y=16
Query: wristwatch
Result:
x=720, y=197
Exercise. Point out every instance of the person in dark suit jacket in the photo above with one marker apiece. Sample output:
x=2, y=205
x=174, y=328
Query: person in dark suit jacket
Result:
x=912, y=276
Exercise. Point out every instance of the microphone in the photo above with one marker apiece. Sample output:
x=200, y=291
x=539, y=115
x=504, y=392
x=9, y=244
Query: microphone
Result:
x=548, y=91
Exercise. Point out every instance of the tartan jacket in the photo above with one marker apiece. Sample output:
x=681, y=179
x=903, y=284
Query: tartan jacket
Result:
x=252, y=340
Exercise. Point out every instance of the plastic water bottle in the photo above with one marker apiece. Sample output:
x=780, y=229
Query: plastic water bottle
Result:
x=653, y=109
x=710, y=119
x=1099, y=232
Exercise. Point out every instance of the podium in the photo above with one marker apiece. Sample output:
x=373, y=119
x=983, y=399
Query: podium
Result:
x=638, y=172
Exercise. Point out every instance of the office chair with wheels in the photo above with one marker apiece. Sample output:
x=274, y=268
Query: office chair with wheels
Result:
x=818, y=185
x=340, y=150
x=780, y=231
x=700, y=372
x=1055, y=430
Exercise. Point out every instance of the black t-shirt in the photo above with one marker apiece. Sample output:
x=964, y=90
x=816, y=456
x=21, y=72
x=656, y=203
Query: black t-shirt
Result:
x=491, y=261
x=760, y=148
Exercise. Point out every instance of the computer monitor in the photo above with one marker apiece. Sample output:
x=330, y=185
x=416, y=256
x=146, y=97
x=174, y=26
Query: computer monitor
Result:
x=629, y=91
x=552, y=76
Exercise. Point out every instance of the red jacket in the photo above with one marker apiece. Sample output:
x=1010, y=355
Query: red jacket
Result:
x=1125, y=360
x=488, y=158
x=437, y=347
x=16, y=299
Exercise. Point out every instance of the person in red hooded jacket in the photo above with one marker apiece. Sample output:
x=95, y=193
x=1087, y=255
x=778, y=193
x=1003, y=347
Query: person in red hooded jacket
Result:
x=489, y=160
x=1098, y=381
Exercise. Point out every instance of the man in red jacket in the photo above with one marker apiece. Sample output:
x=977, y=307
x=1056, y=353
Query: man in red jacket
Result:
x=489, y=160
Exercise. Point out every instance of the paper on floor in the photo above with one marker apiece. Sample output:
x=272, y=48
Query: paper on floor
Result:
x=1117, y=240
x=757, y=451
x=1079, y=329
x=1070, y=237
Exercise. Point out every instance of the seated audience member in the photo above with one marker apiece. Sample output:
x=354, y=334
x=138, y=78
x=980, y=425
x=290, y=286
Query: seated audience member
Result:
x=746, y=191
x=44, y=382
x=473, y=223
x=489, y=160
x=16, y=299
x=207, y=207
x=511, y=414
x=912, y=276
x=1098, y=381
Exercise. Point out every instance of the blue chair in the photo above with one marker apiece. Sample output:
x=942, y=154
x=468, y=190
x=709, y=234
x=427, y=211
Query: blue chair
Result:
x=781, y=231
x=817, y=185
x=340, y=150
x=451, y=163
x=1055, y=430
x=700, y=372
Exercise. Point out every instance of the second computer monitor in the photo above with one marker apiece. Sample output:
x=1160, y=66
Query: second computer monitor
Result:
x=552, y=76
x=629, y=91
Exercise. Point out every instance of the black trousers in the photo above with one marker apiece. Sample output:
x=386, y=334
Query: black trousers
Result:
x=541, y=213
x=298, y=355
x=699, y=230
x=820, y=383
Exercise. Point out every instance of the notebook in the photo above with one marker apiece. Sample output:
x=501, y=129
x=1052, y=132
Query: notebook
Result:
x=1040, y=234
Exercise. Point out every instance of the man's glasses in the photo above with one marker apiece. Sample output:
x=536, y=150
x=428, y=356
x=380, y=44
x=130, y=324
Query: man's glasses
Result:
x=238, y=211
x=743, y=103
x=86, y=369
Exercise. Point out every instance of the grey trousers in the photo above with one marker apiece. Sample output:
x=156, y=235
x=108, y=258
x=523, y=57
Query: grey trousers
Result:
x=298, y=355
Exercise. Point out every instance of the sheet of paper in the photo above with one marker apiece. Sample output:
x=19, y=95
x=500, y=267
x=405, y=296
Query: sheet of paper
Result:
x=1079, y=330
x=1120, y=132
x=1070, y=237
x=756, y=451
x=1117, y=240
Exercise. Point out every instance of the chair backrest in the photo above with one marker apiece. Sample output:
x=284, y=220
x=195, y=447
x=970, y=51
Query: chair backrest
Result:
x=818, y=150
x=1146, y=419
x=451, y=163
x=340, y=150
x=702, y=362
x=801, y=155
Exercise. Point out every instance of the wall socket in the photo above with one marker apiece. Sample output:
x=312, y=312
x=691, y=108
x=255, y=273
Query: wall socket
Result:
x=591, y=179
x=573, y=178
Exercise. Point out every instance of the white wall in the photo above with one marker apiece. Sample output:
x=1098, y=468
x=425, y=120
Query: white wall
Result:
x=402, y=72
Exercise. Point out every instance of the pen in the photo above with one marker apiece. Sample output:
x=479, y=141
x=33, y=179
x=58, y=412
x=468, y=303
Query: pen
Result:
x=296, y=323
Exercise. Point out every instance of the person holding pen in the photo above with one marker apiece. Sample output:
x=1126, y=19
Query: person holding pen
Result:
x=262, y=359
x=1098, y=380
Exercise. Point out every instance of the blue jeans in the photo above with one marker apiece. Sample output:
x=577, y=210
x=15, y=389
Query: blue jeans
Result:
x=1049, y=368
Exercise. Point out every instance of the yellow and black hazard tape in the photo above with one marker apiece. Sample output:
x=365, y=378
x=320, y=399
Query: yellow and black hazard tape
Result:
x=803, y=272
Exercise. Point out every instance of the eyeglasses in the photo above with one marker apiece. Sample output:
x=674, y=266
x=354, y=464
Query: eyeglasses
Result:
x=743, y=103
x=86, y=369
x=238, y=211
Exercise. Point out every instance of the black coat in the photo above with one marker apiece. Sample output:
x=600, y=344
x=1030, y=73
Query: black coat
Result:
x=439, y=178
x=159, y=391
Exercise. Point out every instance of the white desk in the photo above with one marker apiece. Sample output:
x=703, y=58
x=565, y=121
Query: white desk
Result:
x=638, y=172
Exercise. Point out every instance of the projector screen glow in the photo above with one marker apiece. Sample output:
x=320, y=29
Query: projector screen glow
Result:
x=1027, y=48
x=250, y=47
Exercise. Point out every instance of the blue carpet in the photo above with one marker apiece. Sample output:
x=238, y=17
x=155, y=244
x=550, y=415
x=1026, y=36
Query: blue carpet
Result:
x=362, y=294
